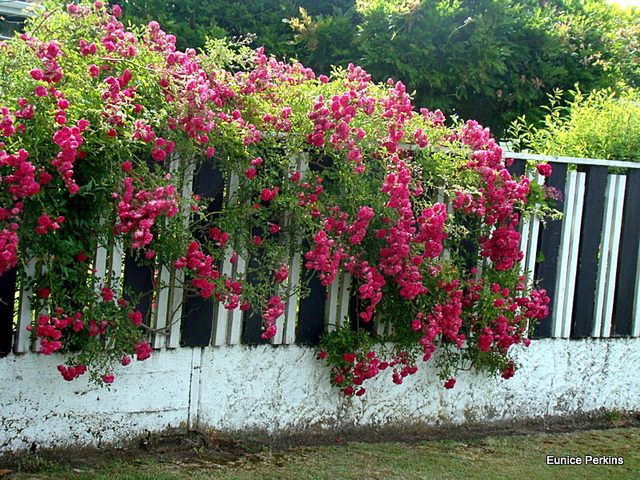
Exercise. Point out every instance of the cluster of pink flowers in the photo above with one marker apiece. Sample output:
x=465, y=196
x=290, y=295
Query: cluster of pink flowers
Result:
x=69, y=140
x=371, y=287
x=203, y=265
x=325, y=257
x=273, y=309
x=70, y=373
x=8, y=250
x=20, y=178
x=354, y=370
x=503, y=246
x=50, y=330
x=138, y=212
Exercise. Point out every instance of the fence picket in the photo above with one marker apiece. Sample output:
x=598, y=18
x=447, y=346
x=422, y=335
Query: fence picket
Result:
x=609, y=255
x=236, y=316
x=23, y=341
x=162, y=309
x=176, y=298
x=291, y=310
x=568, y=268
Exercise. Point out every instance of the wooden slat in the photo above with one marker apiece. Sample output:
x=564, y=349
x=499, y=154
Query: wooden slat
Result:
x=101, y=266
x=221, y=319
x=530, y=231
x=627, y=266
x=173, y=322
x=569, y=253
x=291, y=311
x=197, y=324
x=609, y=255
x=311, y=311
x=584, y=300
x=138, y=283
x=236, y=316
x=301, y=162
x=23, y=337
x=605, y=247
x=563, y=253
x=116, y=262
x=7, y=296
x=549, y=245
x=345, y=296
x=333, y=304
x=163, y=306
x=175, y=312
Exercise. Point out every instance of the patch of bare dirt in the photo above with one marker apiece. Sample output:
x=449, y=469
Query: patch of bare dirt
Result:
x=231, y=448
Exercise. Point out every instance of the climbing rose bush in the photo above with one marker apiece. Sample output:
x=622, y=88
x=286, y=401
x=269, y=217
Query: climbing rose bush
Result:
x=103, y=128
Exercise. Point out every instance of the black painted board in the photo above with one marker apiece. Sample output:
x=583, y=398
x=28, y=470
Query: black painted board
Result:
x=209, y=183
x=549, y=246
x=252, y=322
x=311, y=309
x=516, y=169
x=197, y=315
x=311, y=318
x=7, y=294
x=138, y=283
x=198, y=312
x=628, y=257
x=590, y=232
x=356, y=307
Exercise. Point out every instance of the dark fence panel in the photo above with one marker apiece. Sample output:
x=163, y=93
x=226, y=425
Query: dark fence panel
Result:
x=198, y=312
x=516, y=169
x=628, y=259
x=252, y=320
x=549, y=245
x=7, y=293
x=311, y=310
x=586, y=278
x=138, y=284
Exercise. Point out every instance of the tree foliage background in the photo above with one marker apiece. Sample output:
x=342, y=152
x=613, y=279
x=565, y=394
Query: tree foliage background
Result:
x=491, y=60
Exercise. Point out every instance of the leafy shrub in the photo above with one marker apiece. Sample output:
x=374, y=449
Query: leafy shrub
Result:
x=603, y=124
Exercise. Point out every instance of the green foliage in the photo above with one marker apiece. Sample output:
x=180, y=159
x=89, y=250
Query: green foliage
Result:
x=603, y=124
x=491, y=60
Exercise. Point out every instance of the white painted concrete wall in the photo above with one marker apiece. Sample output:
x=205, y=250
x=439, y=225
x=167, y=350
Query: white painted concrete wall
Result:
x=284, y=389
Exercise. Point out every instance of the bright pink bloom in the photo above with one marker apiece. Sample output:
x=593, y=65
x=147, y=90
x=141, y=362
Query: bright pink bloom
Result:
x=544, y=169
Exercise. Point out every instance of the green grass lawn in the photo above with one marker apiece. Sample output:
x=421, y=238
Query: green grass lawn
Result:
x=510, y=457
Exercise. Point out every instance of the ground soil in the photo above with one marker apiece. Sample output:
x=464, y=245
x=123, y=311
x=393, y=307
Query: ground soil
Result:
x=224, y=447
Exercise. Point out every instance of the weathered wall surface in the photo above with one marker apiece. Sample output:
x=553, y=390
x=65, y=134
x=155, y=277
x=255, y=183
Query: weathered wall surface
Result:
x=285, y=389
